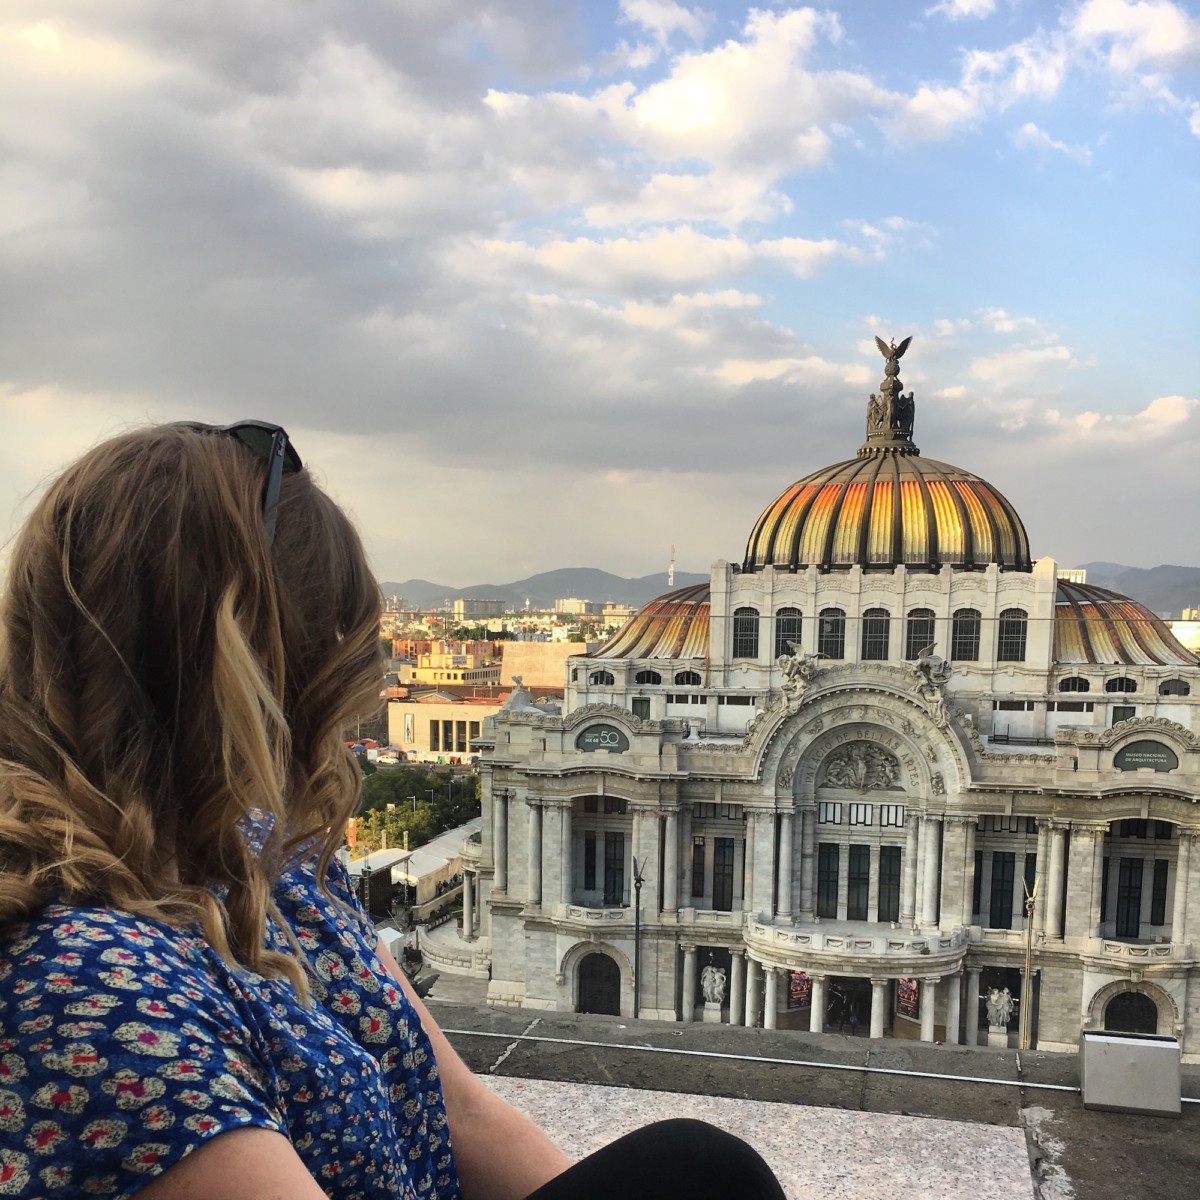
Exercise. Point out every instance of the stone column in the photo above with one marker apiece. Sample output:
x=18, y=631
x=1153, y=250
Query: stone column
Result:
x=783, y=897
x=1191, y=920
x=771, y=999
x=908, y=869
x=737, y=986
x=928, y=1001
x=968, y=891
x=1054, y=881
x=873, y=886
x=468, y=905
x=878, y=1006
x=807, y=852
x=932, y=827
x=1040, y=878
x=688, y=1001
x=953, y=1009
x=567, y=854
x=500, y=836
x=1097, y=879
x=685, y=863
x=748, y=874
x=973, y=976
x=670, y=830
x=816, y=1022
x=646, y=828
x=956, y=875
x=764, y=863
x=1179, y=905
x=752, y=970
x=535, y=853
x=1083, y=879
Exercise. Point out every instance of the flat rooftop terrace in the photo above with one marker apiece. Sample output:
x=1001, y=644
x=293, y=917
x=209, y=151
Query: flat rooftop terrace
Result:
x=835, y=1116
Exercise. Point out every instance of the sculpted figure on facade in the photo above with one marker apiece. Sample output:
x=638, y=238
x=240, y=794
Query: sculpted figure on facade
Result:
x=712, y=984
x=862, y=766
x=798, y=669
x=1000, y=1005
x=931, y=673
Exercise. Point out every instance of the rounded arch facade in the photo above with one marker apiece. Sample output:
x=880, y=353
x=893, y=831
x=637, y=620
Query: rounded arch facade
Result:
x=569, y=974
x=1168, y=1010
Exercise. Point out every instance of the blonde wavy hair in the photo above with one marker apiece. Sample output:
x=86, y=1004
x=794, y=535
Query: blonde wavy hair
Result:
x=164, y=670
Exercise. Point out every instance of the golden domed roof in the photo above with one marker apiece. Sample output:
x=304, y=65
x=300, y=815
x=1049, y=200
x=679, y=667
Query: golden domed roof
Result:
x=888, y=506
x=671, y=626
x=1095, y=625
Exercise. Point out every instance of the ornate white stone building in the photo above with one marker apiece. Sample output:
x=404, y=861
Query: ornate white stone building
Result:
x=833, y=772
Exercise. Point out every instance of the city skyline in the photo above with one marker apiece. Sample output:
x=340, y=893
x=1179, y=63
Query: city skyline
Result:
x=544, y=284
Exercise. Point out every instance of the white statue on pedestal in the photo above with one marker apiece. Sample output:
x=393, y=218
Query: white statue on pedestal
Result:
x=712, y=984
x=1000, y=1006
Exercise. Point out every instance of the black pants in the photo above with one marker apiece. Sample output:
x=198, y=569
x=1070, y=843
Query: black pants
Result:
x=688, y=1159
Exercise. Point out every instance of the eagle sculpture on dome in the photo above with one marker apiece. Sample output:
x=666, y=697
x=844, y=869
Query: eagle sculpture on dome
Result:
x=890, y=414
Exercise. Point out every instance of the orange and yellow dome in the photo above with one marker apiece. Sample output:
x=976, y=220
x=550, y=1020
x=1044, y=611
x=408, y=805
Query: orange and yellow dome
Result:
x=888, y=506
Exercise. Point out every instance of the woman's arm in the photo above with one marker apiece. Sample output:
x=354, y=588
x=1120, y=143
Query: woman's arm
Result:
x=500, y=1153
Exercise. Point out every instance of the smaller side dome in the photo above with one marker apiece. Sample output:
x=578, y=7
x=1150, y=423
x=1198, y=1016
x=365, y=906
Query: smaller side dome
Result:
x=1094, y=625
x=672, y=626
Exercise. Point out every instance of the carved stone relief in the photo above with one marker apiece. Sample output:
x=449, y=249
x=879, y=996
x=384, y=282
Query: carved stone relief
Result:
x=863, y=766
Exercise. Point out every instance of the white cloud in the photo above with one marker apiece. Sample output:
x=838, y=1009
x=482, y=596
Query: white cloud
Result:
x=662, y=18
x=1030, y=137
x=956, y=10
x=1136, y=33
x=1020, y=365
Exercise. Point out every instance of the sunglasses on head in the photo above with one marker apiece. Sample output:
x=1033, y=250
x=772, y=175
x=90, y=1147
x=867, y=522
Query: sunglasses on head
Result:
x=270, y=443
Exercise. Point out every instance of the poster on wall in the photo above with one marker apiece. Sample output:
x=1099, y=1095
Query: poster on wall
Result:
x=799, y=989
x=408, y=729
x=908, y=998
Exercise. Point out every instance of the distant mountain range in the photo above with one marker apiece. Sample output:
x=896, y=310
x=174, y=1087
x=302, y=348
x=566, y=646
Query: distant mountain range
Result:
x=1164, y=589
x=584, y=583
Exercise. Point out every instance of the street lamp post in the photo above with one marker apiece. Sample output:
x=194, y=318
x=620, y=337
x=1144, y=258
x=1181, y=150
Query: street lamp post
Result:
x=414, y=802
x=637, y=937
x=1026, y=1016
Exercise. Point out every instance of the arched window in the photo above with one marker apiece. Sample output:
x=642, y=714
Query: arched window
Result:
x=875, y=625
x=1074, y=683
x=964, y=635
x=831, y=633
x=787, y=629
x=918, y=632
x=1010, y=637
x=745, y=633
x=647, y=677
x=688, y=679
x=1174, y=687
x=601, y=679
x=1122, y=683
x=1131, y=1012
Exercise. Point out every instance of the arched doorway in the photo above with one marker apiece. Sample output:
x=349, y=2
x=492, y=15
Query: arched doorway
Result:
x=1131, y=1012
x=599, y=986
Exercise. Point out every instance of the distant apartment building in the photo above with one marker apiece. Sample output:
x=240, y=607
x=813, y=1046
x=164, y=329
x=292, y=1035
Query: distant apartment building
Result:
x=439, y=726
x=540, y=664
x=572, y=606
x=469, y=609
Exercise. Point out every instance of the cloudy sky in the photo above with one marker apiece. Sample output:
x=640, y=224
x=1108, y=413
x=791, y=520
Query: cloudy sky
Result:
x=537, y=284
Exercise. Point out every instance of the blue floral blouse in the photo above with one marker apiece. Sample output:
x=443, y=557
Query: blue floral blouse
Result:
x=125, y=1043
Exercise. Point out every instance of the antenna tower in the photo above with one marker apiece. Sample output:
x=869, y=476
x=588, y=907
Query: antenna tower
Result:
x=671, y=570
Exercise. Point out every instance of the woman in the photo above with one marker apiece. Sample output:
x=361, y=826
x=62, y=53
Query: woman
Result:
x=191, y=1002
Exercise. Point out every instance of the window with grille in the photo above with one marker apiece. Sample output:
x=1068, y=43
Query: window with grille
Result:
x=858, y=880
x=875, y=624
x=1122, y=683
x=614, y=868
x=831, y=633
x=602, y=679
x=918, y=632
x=827, y=879
x=1003, y=866
x=1123, y=712
x=829, y=814
x=1174, y=687
x=688, y=679
x=745, y=633
x=722, y=900
x=1010, y=636
x=964, y=635
x=889, y=883
x=787, y=629
x=1158, y=894
x=1074, y=683
x=650, y=677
